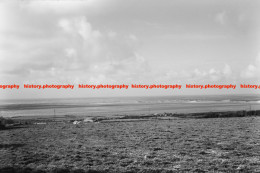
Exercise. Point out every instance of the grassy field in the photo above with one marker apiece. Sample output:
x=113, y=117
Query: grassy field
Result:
x=175, y=145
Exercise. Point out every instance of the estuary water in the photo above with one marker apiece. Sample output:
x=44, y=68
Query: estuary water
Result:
x=127, y=105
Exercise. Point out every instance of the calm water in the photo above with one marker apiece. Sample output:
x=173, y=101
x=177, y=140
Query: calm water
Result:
x=127, y=105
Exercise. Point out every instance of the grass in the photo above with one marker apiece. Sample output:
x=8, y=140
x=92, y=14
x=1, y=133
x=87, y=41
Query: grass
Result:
x=175, y=145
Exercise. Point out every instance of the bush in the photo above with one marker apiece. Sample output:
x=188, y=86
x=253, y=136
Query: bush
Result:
x=5, y=121
x=2, y=123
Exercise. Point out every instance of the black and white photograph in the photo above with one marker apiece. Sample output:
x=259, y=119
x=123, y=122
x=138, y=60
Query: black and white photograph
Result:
x=129, y=86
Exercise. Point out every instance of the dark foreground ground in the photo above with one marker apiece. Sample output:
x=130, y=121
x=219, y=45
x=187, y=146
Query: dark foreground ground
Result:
x=175, y=145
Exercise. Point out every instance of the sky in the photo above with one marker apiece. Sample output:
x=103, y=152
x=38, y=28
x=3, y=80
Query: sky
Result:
x=128, y=42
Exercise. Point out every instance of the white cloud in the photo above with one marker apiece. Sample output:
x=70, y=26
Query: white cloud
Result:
x=227, y=71
x=213, y=74
x=252, y=71
x=221, y=18
x=71, y=41
x=65, y=48
x=198, y=75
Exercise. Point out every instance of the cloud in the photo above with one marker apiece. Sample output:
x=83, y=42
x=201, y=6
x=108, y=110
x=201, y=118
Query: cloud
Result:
x=199, y=75
x=213, y=75
x=227, y=71
x=71, y=41
x=221, y=18
x=65, y=48
x=253, y=70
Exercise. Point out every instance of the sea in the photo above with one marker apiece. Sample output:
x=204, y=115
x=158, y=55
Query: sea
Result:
x=114, y=106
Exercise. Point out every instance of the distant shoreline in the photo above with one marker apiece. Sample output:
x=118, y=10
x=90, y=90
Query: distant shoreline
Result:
x=20, y=120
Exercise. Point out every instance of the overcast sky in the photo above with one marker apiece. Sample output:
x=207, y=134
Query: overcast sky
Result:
x=134, y=41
